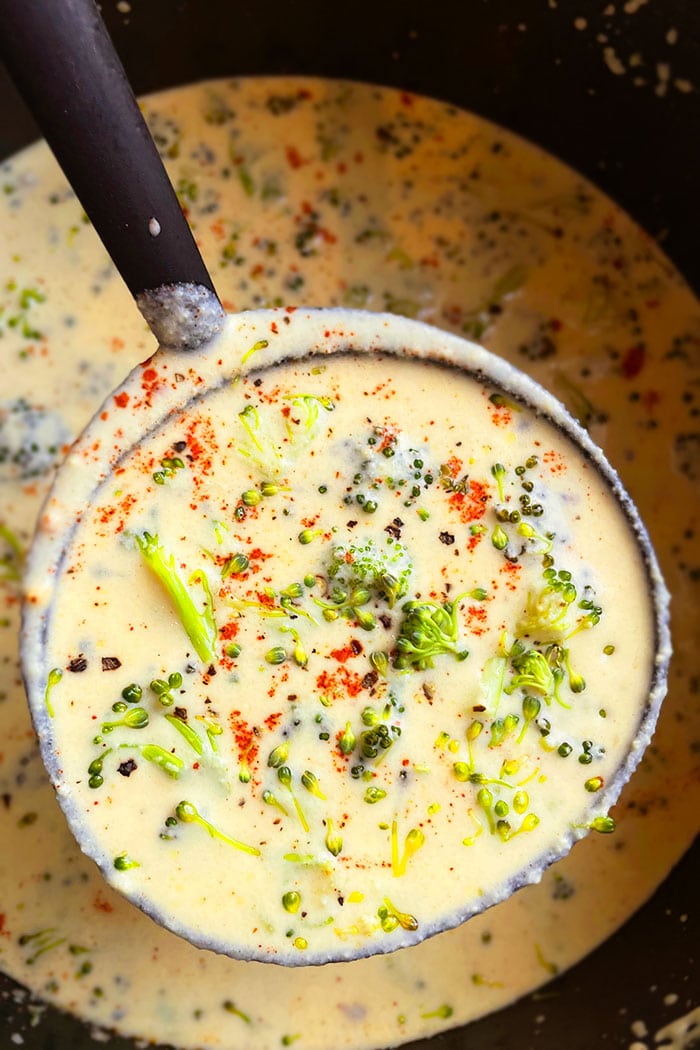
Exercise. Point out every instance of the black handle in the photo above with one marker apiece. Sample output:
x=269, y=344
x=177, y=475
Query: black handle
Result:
x=64, y=64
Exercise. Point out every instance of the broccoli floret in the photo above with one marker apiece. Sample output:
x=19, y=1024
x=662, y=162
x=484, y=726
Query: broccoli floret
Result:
x=270, y=434
x=385, y=571
x=260, y=447
x=32, y=440
x=551, y=613
x=532, y=671
x=547, y=614
x=427, y=630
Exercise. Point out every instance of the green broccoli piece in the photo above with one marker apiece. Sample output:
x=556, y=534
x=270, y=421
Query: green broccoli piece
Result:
x=427, y=630
x=546, y=615
x=199, y=624
x=532, y=671
x=386, y=571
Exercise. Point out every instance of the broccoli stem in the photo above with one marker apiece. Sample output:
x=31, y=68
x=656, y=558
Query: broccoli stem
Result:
x=199, y=626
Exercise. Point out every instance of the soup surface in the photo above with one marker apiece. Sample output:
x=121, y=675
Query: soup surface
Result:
x=306, y=191
x=362, y=609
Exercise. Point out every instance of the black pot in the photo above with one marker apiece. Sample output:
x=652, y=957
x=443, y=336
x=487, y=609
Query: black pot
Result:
x=528, y=67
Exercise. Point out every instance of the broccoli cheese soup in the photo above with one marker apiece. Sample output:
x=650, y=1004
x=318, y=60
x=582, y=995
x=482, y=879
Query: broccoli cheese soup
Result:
x=329, y=655
x=311, y=191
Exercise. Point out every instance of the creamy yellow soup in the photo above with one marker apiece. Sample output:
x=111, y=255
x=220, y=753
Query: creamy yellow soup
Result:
x=342, y=650
x=327, y=192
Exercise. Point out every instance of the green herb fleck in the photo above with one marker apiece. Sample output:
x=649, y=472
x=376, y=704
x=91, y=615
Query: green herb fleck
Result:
x=55, y=676
x=443, y=1012
x=334, y=842
x=231, y=1008
x=12, y=561
x=284, y=775
x=135, y=718
x=188, y=813
x=291, y=901
x=123, y=862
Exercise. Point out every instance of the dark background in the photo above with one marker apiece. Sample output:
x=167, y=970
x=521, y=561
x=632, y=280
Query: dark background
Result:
x=527, y=66
x=521, y=63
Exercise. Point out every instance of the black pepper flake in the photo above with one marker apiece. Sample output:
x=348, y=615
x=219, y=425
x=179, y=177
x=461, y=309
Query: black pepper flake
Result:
x=370, y=680
x=181, y=713
x=341, y=901
x=351, y=524
x=447, y=538
x=78, y=663
x=356, y=646
x=385, y=620
x=110, y=663
x=179, y=446
x=211, y=670
x=257, y=382
x=127, y=768
x=394, y=529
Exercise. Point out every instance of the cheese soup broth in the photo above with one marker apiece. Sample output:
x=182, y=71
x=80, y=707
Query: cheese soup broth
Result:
x=363, y=197
x=373, y=644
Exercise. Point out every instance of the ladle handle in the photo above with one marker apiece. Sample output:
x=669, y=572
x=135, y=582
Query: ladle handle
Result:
x=64, y=64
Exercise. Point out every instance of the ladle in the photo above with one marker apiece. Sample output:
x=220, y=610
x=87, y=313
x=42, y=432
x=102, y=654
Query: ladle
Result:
x=69, y=74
